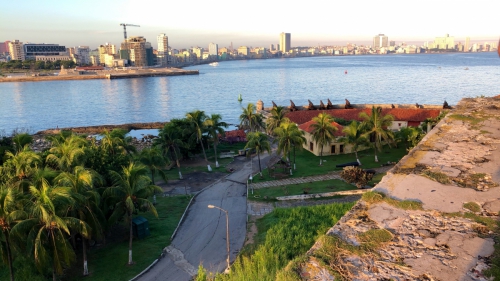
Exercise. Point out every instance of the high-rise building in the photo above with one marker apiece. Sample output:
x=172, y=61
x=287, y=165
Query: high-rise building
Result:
x=16, y=50
x=134, y=49
x=380, y=41
x=162, y=56
x=106, y=49
x=445, y=43
x=213, y=49
x=271, y=47
x=83, y=54
x=45, y=52
x=4, y=47
x=285, y=42
x=392, y=43
x=467, y=44
x=243, y=51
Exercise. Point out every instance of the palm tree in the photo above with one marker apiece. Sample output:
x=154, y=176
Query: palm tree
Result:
x=21, y=140
x=20, y=167
x=153, y=159
x=197, y=119
x=250, y=120
x=11, y=211
x=323, y=132
x=288, y=135
x=354, y=136
x=116, y=141
x=47, y=228
x=86, y=202
x=276, y=118
x=169, y=140
x=377, y=126
x=259, y=142
x=130, y=189
x=215, y=127
x=67, y=152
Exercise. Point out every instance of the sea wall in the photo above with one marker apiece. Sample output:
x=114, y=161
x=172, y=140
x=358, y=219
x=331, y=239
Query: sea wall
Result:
x=101, y=128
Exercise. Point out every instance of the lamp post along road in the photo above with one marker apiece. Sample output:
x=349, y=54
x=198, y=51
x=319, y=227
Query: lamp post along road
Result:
x=227, y=233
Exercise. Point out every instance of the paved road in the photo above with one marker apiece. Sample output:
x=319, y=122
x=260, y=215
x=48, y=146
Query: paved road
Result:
x=201, y=238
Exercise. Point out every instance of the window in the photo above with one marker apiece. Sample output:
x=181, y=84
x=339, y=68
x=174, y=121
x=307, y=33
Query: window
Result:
x=311, y=146
x=332, y=151
x=341, y=150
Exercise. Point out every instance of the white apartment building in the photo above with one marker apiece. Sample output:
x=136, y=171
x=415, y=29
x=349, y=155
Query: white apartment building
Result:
x=83, y=54
x=213, y=49
x=162, y=55
x=16, y=50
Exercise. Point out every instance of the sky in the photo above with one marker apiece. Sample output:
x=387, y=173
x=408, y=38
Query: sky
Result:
x=247, y=23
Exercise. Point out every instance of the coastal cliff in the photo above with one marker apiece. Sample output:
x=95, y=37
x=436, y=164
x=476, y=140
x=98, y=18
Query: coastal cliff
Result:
x=434, y=216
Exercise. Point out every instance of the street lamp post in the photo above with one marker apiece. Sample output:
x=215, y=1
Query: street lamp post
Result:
x=227, y=233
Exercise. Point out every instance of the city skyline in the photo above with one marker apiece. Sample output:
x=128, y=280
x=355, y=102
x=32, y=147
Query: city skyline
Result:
x=75, y=24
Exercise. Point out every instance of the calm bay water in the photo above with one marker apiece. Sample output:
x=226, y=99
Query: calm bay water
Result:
x=423, y=79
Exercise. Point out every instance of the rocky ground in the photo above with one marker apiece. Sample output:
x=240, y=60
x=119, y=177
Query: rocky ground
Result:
x=453, y=174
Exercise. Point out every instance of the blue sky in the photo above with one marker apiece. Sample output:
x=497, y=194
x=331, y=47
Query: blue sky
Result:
x=250, y=23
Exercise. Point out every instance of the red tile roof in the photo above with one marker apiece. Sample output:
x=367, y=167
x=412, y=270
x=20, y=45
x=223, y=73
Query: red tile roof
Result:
x=400, y=114
x=307, y=128
x=236, y=133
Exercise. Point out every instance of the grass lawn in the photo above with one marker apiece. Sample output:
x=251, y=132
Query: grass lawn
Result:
x=311, y=188
x=376, y=179
x=110, y=262
x=308, y=163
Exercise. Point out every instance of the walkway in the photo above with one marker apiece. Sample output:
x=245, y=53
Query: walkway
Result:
x=331, y=176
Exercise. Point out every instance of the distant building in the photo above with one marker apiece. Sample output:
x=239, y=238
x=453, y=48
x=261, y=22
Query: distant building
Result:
x=4, y=47
x=198, y=52
x=380, y=41
x=243, y=50
x=285, y=42
x=444, y=43
x=467, y=44
x=213, y=49
x=271, y=47
x=51, y=51
x=16, y=50
x=83, y=54
x=392, y=43
x=162, y=56
x=137, y=51
x=106, y=49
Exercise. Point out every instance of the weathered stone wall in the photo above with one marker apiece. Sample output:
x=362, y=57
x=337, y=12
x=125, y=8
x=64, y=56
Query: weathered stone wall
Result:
x=455, y=165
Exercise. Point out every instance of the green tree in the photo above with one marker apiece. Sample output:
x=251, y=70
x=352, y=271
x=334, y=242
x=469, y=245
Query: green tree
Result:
x=259, y=142
x=19, y=168
x=409, y=136
x=196, y=120
x=250, y=120
x=323, y=132
x=21, y=140
x=154, y=160
x=11, y=211
x=170, y=140
x=276, y=118
x=66, y=153
x=377, y=125
x=288, y=136
x=215, y=127
x=47, y=227
x=81, y=181
x=354, y=136
x=130, y=190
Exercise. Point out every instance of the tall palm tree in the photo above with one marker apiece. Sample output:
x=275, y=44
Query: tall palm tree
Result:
x=288, y=136
x=22, y=140
x=354, y=136
x=323, y=132
x=259, y=142
x=250, y=120
x=276, y=118
x=86, y=202
x=130, y=189
x=47, y=227
x=153, y=159
x=11, y=211
x=215, y=127
x=197, y=119
x=67, y=153
x=20, y=167
x=377, y=126
x=169, y=140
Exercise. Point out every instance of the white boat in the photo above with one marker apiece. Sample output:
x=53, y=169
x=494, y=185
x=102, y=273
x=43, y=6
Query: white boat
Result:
x=214, y=64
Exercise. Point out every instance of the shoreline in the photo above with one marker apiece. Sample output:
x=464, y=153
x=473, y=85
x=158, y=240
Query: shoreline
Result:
x=101, y=128
x=106, y=74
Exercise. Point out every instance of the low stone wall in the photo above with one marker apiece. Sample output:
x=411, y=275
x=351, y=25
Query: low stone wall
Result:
x=320, y=195
x=101, y=128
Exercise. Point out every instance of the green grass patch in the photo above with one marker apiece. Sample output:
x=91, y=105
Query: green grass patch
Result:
x=110, y=262
x=284, y=235
x=494, y=270
x=374, y=238
x=373, y=197
x=307, y=164
x=270, y=193
x=466, y=118
x=472, y=206
x=437, y=176
x=376, y=179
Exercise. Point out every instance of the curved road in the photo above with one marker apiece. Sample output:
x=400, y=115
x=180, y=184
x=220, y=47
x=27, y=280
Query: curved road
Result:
x=201, y=238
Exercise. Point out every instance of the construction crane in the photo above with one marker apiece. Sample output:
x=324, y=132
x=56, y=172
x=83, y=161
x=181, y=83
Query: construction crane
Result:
x=125, y=28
